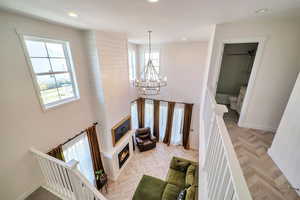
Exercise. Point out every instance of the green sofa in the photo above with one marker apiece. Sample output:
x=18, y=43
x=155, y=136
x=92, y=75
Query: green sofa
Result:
x=183, y=174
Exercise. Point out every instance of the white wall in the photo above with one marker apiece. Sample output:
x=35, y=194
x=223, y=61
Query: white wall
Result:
x=109, y=59
x=278, y=67
x=285, y=149
x=23, y=123
x=183, y=64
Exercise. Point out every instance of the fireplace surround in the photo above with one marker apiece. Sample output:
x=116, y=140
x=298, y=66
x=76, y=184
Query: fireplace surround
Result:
x=111, y=158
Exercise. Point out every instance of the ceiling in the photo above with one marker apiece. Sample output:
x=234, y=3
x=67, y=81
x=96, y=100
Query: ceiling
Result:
x=170, y=20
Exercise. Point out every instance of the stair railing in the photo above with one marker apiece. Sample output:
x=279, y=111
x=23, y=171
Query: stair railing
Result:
x=64, y=179
x=223, y=173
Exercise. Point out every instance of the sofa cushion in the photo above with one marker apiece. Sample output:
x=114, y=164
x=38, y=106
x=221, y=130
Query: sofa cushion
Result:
x=171, y=192
x=190, y=175
x=149, y=188
x=179, y=164
x=190, y=193
x=196, y=176
x=176, y=177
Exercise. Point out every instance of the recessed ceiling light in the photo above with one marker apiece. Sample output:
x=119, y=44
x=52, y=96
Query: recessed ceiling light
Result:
x=263, y=10
x=184, y=39
x=72, y=14
x=153, y=1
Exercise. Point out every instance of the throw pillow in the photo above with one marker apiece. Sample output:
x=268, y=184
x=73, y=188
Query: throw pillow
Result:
x=181, y=195
x=190, y=175
x=190, y=193
x=179, y=165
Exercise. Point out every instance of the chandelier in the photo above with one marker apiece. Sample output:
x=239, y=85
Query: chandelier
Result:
x=150, y=80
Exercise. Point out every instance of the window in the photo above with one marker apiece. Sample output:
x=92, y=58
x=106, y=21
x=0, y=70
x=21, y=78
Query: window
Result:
x=176, y=136
x=52, y=70
x=177, y=121
x=132, y=65
x=79, y=150
x=149, y=112
x=155, y=56
x=134, y=116
x=163, y=115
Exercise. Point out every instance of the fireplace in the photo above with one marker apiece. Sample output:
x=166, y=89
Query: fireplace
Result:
x=123, y=155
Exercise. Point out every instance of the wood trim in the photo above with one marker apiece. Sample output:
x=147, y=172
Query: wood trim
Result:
x=180, y=102
x=113, y=129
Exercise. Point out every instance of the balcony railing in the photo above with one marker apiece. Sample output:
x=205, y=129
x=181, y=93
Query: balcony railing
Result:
x=223, y=173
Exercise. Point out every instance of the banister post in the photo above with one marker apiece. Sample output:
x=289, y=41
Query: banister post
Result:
x=220, y=110
x=72, y=164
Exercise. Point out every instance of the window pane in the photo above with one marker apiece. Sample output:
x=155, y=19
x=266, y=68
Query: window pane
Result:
x=155, y=56
x=132, y=65
x=134, y=116
x=46, y=82
x=36, y=48
x=55, y=50
x=163, y=115
x=149, y=111
x=58, y=64
x=176, y=137
x=66, y=92
x=78, y=149
x=50, y=96
x=64, y=84
x=40, y=65
x=155, y=62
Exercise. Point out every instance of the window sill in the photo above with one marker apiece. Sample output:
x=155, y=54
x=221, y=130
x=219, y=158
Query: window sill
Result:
x=59, y=103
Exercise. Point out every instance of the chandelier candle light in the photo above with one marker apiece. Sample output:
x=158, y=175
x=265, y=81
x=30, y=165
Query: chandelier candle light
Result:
x=150, y=81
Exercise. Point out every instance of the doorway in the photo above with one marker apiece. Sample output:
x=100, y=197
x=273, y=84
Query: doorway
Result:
x=236, y=68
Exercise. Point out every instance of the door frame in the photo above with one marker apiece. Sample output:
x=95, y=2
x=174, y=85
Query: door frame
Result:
x=254, y=72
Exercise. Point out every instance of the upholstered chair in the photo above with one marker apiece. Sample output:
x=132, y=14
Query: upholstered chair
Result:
x=144, y=140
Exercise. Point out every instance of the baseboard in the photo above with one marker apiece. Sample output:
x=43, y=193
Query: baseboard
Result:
x=27, y=193
x=257, y=126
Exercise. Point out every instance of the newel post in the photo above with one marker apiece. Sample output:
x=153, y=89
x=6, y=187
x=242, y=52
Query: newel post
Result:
x=220, y=110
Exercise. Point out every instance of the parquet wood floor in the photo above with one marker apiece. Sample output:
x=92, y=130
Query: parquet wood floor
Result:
x=264, y=178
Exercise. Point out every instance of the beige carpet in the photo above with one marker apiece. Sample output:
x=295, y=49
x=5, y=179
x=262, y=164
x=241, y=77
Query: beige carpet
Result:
x=42, y=194
x=154, y=162
x=265, y=180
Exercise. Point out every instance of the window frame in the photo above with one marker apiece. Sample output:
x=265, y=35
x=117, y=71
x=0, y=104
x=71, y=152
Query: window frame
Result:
x=132, y=65
x=70, y=70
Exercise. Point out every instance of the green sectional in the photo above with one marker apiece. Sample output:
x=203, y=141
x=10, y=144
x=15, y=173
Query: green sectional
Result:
x=183, y=174
x=176, y=178
x=151, y=186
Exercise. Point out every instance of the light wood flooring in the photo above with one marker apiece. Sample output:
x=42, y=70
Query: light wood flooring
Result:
x=154, y=163
x=264, y=179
